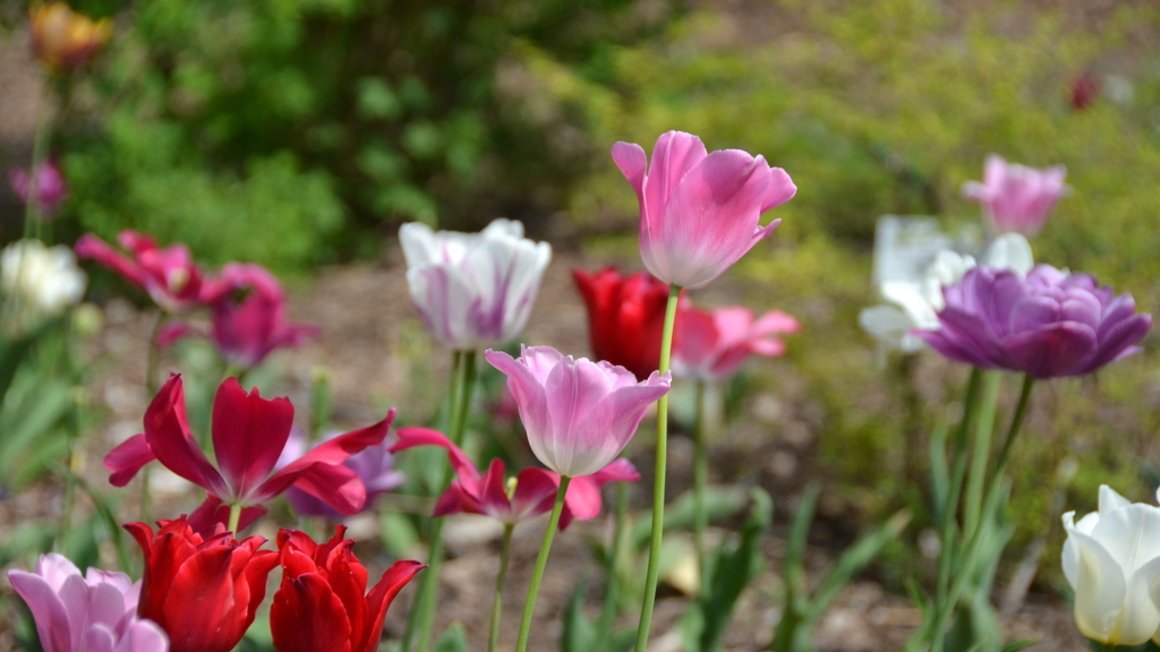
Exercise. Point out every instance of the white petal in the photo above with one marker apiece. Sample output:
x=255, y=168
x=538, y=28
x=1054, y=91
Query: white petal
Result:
x=1010, y=251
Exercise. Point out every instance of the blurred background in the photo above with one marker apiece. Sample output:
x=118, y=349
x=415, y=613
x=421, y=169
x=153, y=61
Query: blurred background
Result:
x=301, y=133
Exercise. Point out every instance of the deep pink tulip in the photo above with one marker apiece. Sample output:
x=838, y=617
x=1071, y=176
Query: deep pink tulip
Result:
x=1047, y=324
x=168, y=275
x=1016, y=198
x=535, y=489
x=94, y=612
x=715, y=343
x=579, y=414
x=47, y=187
x=249, y=317
x=249, y=433
x=699, y=211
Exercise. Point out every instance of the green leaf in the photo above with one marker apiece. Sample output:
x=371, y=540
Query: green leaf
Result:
x=854, y=560
x=719, y=503
x=453, y=640
x=579, y=635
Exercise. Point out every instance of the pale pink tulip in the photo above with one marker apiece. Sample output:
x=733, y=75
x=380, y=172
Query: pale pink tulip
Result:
x=713, y=344
x=1016, y=198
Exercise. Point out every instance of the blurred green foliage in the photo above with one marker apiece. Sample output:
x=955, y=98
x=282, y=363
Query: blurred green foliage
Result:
x=287, y=132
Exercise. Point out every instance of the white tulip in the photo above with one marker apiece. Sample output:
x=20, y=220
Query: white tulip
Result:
x=474, y=290
x=1112, y=561
x=41, y=281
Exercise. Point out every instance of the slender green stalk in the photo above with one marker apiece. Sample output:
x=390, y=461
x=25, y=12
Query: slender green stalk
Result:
x=152, y=360
x=700, y=471
x=541, y=564
x=500, y=580
x=422, y=615
x=235, y=516
x=981, y=450
x=658, y=513
x=612, y=592
x=1013, y=429
x=33, y=216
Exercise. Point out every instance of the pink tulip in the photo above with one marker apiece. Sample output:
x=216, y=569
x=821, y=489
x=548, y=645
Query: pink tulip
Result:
x=46, y=187
x=1016, y=198
x=699, y=211
x=249, y=433
x=94, y=612
x=534, y=491
x=249, y=317
x=168, y=275
x=579, y=414
x=715, y=343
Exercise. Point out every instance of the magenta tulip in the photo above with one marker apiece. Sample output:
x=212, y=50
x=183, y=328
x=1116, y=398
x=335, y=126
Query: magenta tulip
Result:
x=47, y=187
x=168, y=275
x=579, y=414
x=699, y=211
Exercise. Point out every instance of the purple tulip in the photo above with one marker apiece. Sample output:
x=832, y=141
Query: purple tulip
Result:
x=46, y=187
x=1045, y=325
x=96, y=612
x=375, y=466
x=1016, y=198
x=579, y=414
x=699, y=211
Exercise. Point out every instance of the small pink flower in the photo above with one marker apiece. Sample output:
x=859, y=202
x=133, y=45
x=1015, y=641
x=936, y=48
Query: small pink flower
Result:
x=534, y=489
x=699, y=211
x=46, y=187
x=579, y=414
x=249, y=317
x=94, y=612
x=249, y=433
x=168, y=275
x=715, y=343
x=1016, y=198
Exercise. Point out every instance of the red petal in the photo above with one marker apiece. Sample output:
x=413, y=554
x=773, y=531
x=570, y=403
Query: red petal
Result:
x=127, y=459
x=379, y=600
x=306, y=616
x=167, y=432
x=249, y=433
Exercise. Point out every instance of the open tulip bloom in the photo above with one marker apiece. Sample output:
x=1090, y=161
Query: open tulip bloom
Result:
x=473, y=289
x=534, y=489
x=94, y=612
x=203, y=591
x=323, y=603
x=626, y=315
x=249, y=433
x=1045, y=325
x=713, y=344
x=579, y=415
x=168, y=275
x=1112, y=561
x=1016, y=198
x=699, y=211
x=375, y=465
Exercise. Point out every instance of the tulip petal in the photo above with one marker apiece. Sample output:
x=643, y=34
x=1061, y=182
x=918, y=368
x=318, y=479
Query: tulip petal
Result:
x=48, y=611
x=127, y=459
x=380, y=597
x=632, y=161
x=1046, y=352
x=167, y=433
x=306, y=616
x=249, y=433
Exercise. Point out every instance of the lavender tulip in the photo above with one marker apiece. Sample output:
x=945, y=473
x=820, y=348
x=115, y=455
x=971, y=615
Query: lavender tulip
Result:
x=699, y=211
x=1045, y=325
x=1016, y=198
x=375, y=465
x=473, y=289
x=579, y=414
x=96, y=612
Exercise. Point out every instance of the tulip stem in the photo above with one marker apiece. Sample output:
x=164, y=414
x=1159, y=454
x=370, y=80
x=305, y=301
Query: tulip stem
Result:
x=152, y=358
x=32, y=208
x=541, y=564
x=422, y=615
x=235, y=517
x=981, y=450
x=658, y=513
x=500, y=580
x=700, y=471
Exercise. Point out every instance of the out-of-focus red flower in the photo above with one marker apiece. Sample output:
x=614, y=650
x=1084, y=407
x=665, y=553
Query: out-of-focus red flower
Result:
x=63, y=39
x=1085, y=90
x=626, y=314
x=323, y=604
x=204, y=592
x=249, y=316
x=249, y=433
x=168, y=275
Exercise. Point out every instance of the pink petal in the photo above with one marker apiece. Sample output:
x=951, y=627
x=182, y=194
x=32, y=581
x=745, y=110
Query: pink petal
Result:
x=631, y=160
x=49, y=612
x=411, y=437
x=126, y=459
x=91, y=247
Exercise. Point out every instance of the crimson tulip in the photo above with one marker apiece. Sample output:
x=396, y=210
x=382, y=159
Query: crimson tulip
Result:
x=203, y=591
x=625, y=316
x=168, y=275
x=249, y=433
x=323, y=604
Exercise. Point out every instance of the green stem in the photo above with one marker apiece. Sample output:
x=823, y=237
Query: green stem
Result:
x=981, y=450
x=700, y=471
x=32, y=209
x=658, y=513
x=541, y=564
x=235, y=516
x=152, y=359
x=1013, y=430
x=612, y=591
x=500, y=579
x=422, y=615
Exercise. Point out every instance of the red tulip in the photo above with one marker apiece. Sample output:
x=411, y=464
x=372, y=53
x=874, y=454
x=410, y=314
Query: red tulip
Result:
x=249, y=433
x=625, y=317
x=204, y=592
x=322, y=603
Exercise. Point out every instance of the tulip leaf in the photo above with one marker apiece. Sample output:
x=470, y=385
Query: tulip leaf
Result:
x=719, y=503
x=454, y=639
x=579, y=634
